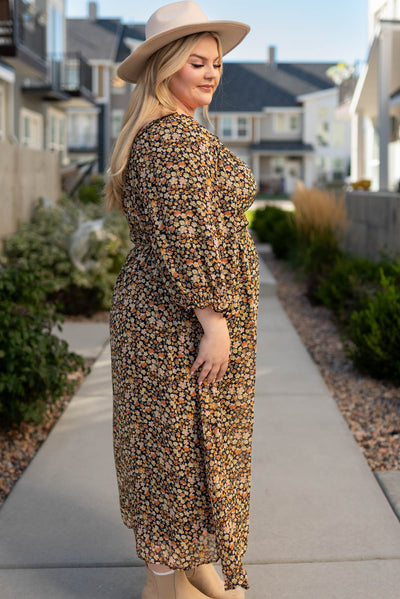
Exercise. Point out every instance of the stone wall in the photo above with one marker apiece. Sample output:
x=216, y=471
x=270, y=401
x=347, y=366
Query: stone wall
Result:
x=374, y=223
x=25, y=176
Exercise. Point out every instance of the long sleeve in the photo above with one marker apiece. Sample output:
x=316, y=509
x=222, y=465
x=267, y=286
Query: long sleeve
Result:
x=176, y=178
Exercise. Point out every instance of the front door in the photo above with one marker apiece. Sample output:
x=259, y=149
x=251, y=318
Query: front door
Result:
x=292, y=174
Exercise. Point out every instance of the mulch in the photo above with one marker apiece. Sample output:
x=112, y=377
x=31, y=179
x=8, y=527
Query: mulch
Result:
x=19, y=443
x=370, y=407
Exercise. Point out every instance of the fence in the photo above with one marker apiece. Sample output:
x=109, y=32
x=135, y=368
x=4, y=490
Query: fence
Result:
x=375, y=223
x=25, y=176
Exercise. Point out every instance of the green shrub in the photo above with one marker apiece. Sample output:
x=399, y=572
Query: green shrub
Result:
x=349, y=283
x=276, y=226
x=284, y=237
x=92, y=193
x=77, y=267
x=34, y=363
x=375, y=333
x=352, y=281
x=265, y=220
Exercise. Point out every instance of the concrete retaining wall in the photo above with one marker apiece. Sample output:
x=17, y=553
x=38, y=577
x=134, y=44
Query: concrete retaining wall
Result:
x=25, y=176
x=374, y=223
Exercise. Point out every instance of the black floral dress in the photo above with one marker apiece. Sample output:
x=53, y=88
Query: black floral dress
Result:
x=182, y=451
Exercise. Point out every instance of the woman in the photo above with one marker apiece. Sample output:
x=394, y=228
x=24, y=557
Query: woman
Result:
x=183, y=316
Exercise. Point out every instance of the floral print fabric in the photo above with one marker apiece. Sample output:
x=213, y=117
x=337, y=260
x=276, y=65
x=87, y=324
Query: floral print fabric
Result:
x=183, y=452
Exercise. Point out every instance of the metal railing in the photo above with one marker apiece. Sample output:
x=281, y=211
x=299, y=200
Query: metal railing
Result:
x=21, y=26
x=70, y=72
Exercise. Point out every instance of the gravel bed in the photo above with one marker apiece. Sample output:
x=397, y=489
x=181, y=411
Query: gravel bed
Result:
x=370, y=407
x=19, y=443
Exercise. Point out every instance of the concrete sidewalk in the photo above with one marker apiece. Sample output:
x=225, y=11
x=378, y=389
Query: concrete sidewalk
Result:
x=321, y=527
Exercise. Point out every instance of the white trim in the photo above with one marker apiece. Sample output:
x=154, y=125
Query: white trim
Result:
x=3, y=101
x=235, y=127
x=7, y=75
x=393, y=25
x=102, y=63
x=35, y=140
x=286, y=109
x=236, y=113
x=316, y=95
x=287, y=116
x=363, y=75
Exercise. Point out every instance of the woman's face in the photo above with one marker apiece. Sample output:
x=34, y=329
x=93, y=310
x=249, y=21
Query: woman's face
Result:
x=194, y=84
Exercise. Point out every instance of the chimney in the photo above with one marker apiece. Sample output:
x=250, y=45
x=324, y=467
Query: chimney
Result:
x=93, y=11
x=271, y=60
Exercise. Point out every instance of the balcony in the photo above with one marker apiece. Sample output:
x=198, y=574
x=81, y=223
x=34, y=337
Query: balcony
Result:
x=68, y=79
x=23, y=37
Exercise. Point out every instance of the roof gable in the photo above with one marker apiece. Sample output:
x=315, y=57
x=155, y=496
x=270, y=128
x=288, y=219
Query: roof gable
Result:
x=250, y=87
x=102, y=39
x=94, y=39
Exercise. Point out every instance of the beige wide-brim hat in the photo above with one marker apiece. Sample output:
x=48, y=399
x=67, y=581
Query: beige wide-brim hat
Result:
x=172, y=22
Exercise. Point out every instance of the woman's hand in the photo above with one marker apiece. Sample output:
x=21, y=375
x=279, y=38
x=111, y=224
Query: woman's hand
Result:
x=214, y=348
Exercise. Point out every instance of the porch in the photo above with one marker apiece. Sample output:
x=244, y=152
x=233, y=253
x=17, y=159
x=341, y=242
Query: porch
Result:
x=277, y=165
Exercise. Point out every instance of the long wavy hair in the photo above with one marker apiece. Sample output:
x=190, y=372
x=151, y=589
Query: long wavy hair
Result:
x=151, y=99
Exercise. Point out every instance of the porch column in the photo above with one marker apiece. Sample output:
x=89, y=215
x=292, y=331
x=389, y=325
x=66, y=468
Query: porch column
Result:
x=384, y=82
x=357, y=147
x=256, y=168
x=309, y=176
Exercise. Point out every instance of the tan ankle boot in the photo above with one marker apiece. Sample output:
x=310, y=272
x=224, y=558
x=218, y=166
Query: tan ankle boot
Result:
x=170, y=586
x=206, y=579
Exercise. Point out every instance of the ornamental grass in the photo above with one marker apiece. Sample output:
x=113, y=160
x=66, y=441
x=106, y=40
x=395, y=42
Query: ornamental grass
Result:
x=319, y=212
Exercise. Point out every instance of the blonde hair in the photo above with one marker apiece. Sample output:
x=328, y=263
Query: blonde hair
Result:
x=151, y=99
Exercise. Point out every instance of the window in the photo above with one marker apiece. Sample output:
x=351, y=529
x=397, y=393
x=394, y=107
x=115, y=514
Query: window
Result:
x=31, y=129
x=233, y=127
x=294, y=123
x=280, y=122
x=227, y=127
x=117, y=116
x=338, y=169
x=278, y=165
x=2, y=112
x=338, y=137
x=284, y=123
x=82, y=130
x=323, y=126
x=72, y=74
x=242, y=127
x=55, y=29
x=56, y=122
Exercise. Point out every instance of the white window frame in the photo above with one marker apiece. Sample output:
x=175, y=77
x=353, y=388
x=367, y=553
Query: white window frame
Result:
x=59, y=143
x=34, y=139
x=2, y=112
x=88, y=135
x=235, y=127
x=116, y=113
x=282, y=122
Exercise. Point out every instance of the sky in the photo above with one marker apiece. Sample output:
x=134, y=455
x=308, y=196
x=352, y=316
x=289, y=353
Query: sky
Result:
x=301, y=30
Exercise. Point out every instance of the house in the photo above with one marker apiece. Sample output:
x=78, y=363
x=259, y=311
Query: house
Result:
x=39, y=80
x=282, y=119
x=105, y=43
x=376, y=102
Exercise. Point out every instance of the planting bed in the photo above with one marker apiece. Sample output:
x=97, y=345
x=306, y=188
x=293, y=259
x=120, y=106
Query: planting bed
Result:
x=370, y=407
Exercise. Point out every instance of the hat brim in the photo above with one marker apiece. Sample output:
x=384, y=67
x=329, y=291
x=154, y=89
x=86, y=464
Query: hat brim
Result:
x=231, y=33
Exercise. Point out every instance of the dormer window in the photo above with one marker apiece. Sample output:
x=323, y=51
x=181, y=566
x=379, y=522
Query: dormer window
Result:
x=235, y=128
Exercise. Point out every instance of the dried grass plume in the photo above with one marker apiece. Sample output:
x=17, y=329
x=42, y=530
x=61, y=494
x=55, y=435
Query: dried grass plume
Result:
x=319, y=211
